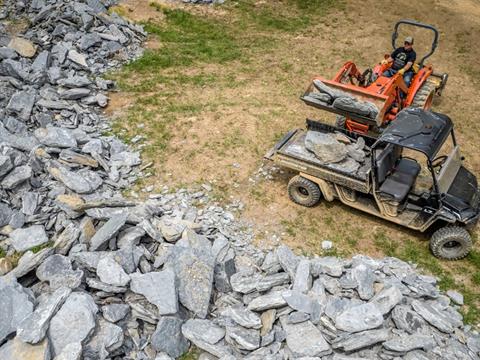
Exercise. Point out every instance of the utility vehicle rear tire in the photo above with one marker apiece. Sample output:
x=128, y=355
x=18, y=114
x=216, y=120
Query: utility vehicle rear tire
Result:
x=451, y=243
x=424, y=97
x=303, y=191
x=340, y=121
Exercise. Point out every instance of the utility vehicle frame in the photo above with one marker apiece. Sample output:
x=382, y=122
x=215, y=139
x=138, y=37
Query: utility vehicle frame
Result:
x=388, y=189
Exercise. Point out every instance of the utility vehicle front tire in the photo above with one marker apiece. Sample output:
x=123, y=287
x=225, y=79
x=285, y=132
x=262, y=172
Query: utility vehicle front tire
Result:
x=451, y=243
x=303, y=191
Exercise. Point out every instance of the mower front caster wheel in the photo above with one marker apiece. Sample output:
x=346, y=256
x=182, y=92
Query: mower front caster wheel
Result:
x=303, y=191
x=451, y=243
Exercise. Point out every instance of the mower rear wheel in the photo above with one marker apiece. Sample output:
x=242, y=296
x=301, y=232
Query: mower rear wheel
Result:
x=340, y=121
x=303, y=191
x=451, y=243
x=423, y=99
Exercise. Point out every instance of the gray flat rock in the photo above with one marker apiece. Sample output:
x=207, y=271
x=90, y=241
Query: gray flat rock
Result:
x=110, y=272
x=244, y=317
x=194, y=269
x=34, y=327
x=288, y=260
x=56, y=137
x=364, y=277
x=107, y=231
x=327, y=265
x=406, y=319
x=159, y=288
x=73, y=323
x=272, y=300
x=27, y=238
x=456, y=297
x=72, y=351
x=16, y=303
x=434, y=316
x=301, y=302
x=244, y=339
x=303, y=279
x=408, y=343
x=106, y=338
x=270, y=281
x=359, y=318
x=304, y=339
x=30, y=261
x=326, y=148
x=17, y=176
x=168, y=337
x=5, y=165
x=82, y=182
x=115, y=312
x=387, y=299
x=361, y=340
x=202, y=330
x=21, y=104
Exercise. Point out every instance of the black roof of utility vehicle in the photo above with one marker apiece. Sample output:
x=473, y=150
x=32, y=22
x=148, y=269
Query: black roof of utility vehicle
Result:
x=418, y=129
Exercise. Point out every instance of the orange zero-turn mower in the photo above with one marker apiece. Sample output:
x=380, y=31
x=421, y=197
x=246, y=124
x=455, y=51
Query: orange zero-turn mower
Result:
x=374, y=88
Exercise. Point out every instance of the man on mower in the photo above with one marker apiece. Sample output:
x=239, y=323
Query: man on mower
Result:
x=402, y=60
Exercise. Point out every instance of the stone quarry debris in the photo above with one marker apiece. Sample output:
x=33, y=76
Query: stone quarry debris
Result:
x=100, y=277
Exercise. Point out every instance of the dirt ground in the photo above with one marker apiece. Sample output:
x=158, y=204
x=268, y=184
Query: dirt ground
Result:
x=222, y=128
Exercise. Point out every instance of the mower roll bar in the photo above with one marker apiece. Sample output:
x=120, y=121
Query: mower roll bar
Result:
x=418, y=24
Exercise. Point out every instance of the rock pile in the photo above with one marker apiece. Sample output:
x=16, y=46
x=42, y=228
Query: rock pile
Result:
x=103, y=277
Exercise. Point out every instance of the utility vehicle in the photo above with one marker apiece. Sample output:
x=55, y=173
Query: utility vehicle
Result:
x=412, y=175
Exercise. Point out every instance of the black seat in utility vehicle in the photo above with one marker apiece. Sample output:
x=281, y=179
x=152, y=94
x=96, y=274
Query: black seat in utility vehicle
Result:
x=395, y=175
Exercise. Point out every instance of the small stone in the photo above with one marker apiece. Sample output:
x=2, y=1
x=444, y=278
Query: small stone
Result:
x=82, y=182
x=359, y=318
x=23, y=47
x=75, y=93
x=268, y=318
x=16, y=177
x=406, y=319
x=5, y=165
x=245, y=339
x=303, y=279
x=106, y=338
x=387, y=299
x=115, y=312
x=456, y=297
x=107, y=231
x=273, y=300
x=304, y=339
x=159, y=289
x=30, y=261
x=77, y=58
x=364, y=277
x=326, y=265
x=360, y=340
x=72, y=351
x=269, y=281
x=5, y=266
x=406, y=343
x=168, y=337
x=34, y=327
x=21, y=104
x=203, y=330
x=244, y=317
x=301, y=302
x=288, y=260
x=56, y=137
x=298, y=317
x=26, y=238
x=110, y=272
x=327, y=245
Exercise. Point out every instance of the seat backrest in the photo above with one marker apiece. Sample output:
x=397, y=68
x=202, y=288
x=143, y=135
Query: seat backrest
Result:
x=386, y=161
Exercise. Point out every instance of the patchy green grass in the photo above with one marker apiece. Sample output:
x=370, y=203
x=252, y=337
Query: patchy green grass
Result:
x=2, y=253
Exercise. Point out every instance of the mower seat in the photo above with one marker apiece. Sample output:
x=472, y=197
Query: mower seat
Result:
x=399, y=182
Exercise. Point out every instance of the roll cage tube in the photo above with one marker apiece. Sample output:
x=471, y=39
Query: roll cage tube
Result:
x=418, y=24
